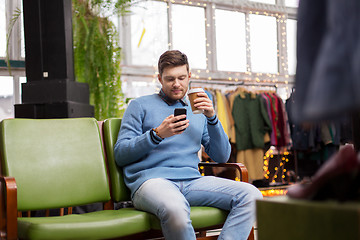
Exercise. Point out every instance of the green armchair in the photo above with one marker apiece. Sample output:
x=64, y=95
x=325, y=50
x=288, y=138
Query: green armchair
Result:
x=48, y=164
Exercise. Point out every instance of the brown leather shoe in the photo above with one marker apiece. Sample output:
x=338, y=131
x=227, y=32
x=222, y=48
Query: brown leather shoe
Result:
x=335, y=179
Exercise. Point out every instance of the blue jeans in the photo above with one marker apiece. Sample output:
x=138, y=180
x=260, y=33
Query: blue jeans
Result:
x=170, y=201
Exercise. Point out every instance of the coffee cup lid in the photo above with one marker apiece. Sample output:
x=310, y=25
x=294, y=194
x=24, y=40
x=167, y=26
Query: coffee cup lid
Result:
x=195, y=90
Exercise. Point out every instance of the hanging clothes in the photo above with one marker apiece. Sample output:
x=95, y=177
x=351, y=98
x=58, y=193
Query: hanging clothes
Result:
x=266, y=103
x=253, y=159
x=211, y=92
x=251, y=126
x=302, y=136
x=312, y=137
x=231, y=96
x=222, y=111
x=283, y=137
x=231, y=132
x=210, y=95
x=251, y=121
x=272, y=111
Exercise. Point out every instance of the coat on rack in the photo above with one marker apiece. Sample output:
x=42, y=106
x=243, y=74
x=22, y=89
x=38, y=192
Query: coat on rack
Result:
x=251, y=121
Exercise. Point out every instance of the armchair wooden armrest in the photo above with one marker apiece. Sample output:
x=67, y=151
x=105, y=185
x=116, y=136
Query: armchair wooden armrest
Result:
x=237, y=166
x=8, y=208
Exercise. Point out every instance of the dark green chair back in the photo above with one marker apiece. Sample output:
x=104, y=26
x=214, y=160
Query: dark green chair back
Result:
x=56, y=162
x=119, y=191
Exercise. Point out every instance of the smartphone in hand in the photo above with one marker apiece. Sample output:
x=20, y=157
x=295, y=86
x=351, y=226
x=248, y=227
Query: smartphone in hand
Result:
x=180, y=111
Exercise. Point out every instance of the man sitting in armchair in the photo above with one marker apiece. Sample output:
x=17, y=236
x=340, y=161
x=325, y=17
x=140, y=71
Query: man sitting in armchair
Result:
x=158, y=153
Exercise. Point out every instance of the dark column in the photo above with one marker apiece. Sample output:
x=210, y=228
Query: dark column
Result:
x=51, y=90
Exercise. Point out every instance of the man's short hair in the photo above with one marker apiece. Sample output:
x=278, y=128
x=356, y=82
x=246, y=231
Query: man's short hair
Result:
x=172, y=58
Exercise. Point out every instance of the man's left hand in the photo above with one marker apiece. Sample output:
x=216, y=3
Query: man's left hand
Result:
x=205, y=103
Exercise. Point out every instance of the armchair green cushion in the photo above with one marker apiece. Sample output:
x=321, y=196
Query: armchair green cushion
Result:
x=95, y=225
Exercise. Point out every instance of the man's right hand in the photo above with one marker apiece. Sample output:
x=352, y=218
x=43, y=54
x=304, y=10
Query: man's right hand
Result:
x=170, y=127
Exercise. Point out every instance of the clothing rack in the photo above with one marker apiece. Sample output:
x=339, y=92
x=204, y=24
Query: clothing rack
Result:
x=228, y=83
x=231, y=83
x=243, y=84
x=262, y=85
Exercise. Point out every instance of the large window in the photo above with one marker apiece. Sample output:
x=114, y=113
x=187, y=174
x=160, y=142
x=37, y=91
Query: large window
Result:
x=230, y=41
x=188, y=32
x=224, y=41
x=263, y=44
x=149, y=32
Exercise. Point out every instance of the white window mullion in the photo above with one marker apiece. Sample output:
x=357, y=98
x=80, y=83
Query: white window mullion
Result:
x=170, y=29
x=17, y=31
x=16, y=90
x=282, y=52
x=280, y=2
x=210, y=37
x=15, y=38
x=248, y=44
x=125, y=39
x=8, y=13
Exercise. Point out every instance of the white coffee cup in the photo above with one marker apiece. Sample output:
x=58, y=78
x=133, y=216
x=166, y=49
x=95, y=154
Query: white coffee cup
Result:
x=192, y=96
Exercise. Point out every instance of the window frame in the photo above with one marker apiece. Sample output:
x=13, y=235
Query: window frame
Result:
x=279, y=10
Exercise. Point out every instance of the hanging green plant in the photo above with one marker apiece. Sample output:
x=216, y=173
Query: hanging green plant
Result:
x=97, y=54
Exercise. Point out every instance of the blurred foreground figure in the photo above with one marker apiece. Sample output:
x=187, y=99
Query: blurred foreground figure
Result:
x=327, y=86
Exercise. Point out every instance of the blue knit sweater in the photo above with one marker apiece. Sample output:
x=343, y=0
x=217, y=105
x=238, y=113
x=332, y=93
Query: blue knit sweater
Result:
x=143, y=155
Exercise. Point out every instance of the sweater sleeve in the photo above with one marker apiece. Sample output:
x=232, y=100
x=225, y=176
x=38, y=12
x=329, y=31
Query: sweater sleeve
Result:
x=215, y=141
x=132, y=144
